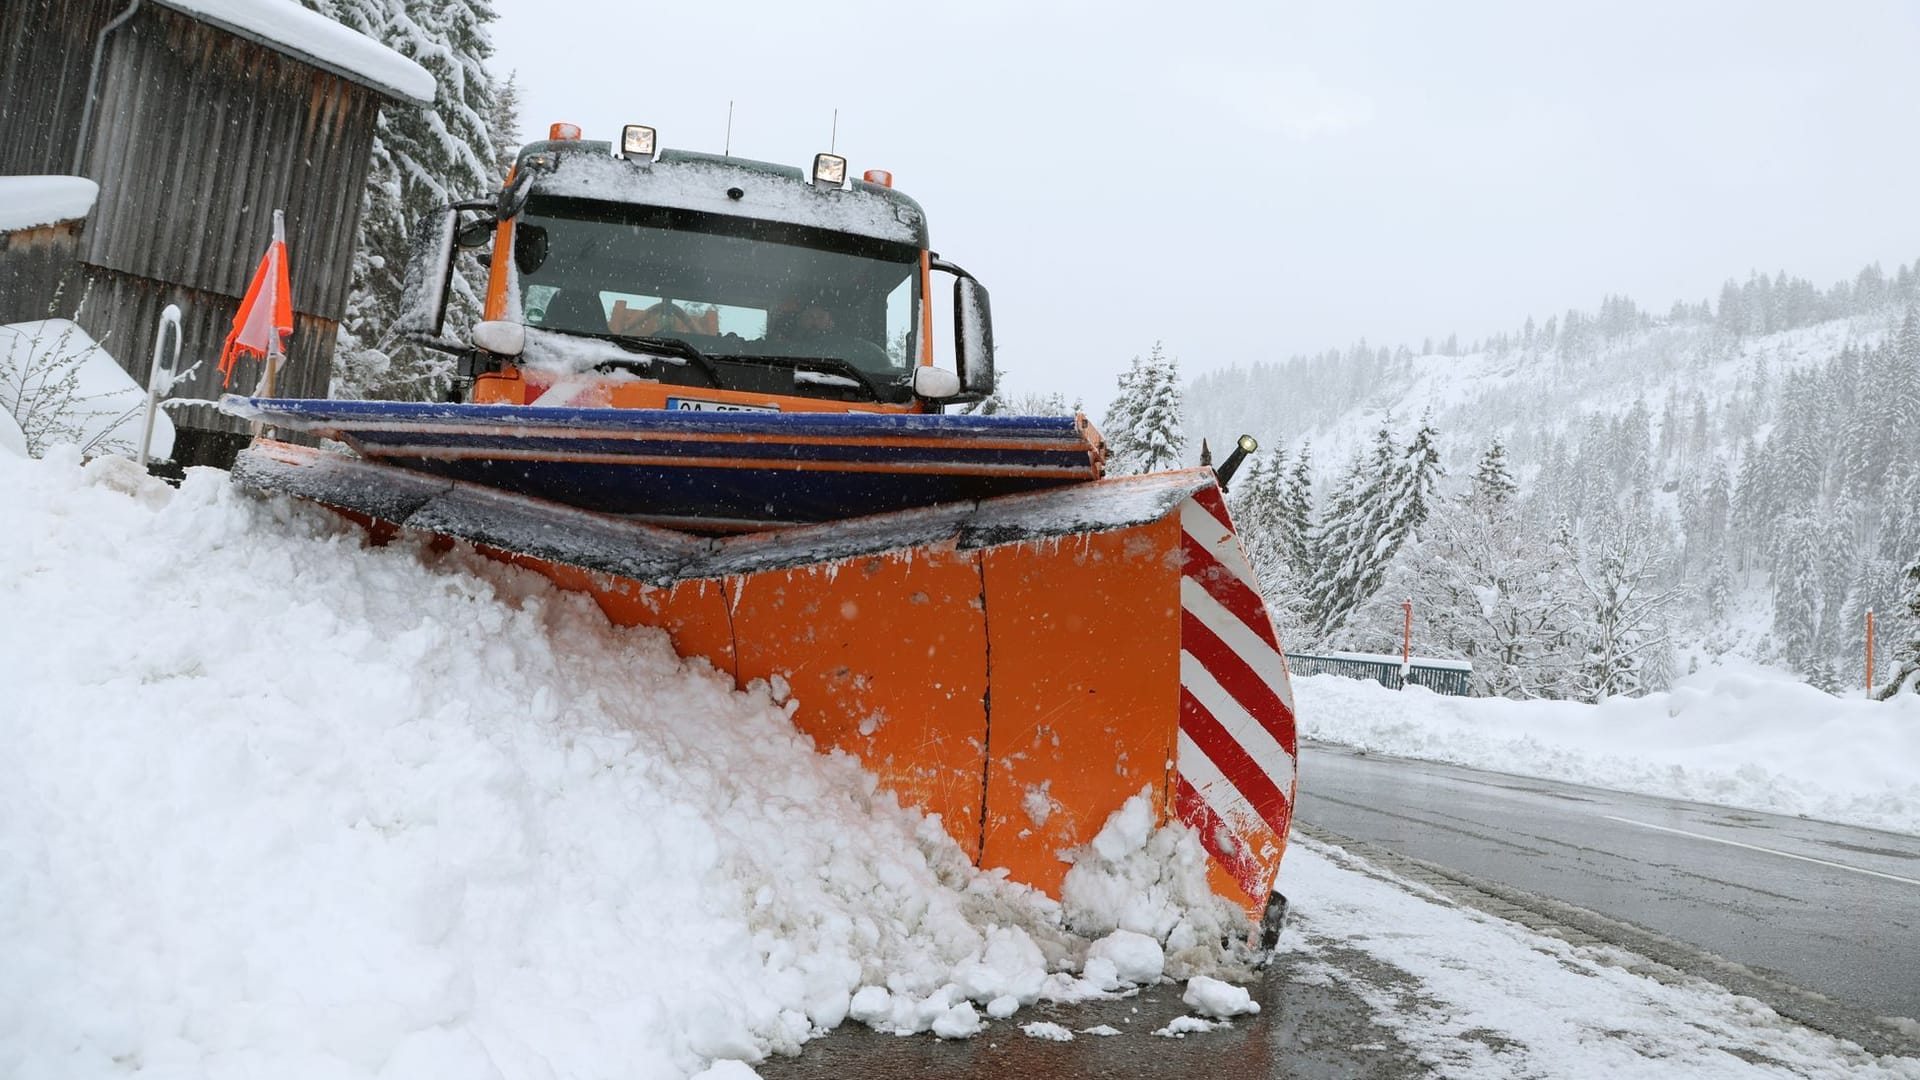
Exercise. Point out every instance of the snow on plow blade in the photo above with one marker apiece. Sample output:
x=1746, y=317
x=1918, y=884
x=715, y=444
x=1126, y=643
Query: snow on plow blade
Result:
x=1019, y=665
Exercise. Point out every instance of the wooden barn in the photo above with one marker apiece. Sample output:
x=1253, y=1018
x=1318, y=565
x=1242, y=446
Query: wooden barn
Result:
x=196, y=118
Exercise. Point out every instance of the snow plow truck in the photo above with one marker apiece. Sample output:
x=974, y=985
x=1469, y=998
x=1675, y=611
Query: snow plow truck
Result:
x=705, y=390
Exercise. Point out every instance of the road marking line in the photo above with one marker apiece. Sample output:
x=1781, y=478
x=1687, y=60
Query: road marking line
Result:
x=1767, y=850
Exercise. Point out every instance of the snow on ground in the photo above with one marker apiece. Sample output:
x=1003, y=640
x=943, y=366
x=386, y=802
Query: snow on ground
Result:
x=1489, y=998
x=1735, y=735
x=273, y=803
x=57, y=384
x=28, y=202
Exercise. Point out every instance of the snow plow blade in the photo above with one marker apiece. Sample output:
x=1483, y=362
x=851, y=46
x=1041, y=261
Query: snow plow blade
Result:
x=1019, y=665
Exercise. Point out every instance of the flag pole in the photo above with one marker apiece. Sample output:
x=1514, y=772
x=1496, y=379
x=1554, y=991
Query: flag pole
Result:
x=273, y=338
x=1869, y=652
x=1406, y=641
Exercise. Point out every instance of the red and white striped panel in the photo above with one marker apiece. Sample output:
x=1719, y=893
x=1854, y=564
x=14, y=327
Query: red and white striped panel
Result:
x=1236, y=757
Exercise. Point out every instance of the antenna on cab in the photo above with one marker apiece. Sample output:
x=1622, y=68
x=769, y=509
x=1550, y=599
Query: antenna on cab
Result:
x=727, y=151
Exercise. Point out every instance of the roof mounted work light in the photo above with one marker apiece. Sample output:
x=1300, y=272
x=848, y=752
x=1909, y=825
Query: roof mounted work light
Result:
x=829, y=169
x=1241, y=448
x=636, y=141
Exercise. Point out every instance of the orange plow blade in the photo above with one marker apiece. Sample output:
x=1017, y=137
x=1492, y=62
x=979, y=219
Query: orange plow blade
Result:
x=1020, y=666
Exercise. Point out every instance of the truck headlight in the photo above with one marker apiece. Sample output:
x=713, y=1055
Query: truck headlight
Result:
x=829, y=169
x=636, y=140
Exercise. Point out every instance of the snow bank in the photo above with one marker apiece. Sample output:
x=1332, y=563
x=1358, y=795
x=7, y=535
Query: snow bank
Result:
x=274, y=803
x=28, y=202
x=58, y=385
x=309, y=36
x=1735, y=735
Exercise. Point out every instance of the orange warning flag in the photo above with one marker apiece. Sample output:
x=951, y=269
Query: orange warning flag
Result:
x=266, y=314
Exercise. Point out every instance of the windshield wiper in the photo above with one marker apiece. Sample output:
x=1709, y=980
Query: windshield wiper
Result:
x=833, y=364
x=664, y=349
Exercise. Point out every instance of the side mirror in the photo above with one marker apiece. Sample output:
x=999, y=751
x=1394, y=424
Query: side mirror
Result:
x=935, y=384
x=475, y=233
x=513, y=197
x=426, y=286
x=973, y=336
x=499, y=337
x=972, y=330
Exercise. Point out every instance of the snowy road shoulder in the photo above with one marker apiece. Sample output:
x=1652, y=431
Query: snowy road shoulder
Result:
x=1382, y=976
x=1474, y=995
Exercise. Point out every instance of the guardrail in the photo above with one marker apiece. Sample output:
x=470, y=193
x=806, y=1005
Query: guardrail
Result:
x=1440, y=676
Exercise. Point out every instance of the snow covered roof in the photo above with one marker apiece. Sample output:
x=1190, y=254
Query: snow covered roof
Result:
x=308, y=36
x=28, y=202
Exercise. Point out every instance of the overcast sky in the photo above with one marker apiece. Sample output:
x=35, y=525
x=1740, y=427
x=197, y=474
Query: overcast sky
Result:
x=1251, y=181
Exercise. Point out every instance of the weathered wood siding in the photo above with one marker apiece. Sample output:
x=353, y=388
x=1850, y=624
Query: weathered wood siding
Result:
x=200, y=135
x=197, y=136
x=46, y=52
x=38, y=272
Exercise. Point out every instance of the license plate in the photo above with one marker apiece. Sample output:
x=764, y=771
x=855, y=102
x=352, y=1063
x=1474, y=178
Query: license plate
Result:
x=696, y=405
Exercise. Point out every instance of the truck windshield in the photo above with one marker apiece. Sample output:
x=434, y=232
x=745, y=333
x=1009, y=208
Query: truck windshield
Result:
x=727, y=286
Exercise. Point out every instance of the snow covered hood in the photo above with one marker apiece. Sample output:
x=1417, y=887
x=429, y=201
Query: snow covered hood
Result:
x=689, y=181
x=308, y=36
x=28, y=202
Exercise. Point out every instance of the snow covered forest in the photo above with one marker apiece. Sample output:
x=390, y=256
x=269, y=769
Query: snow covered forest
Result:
x=1590, y=505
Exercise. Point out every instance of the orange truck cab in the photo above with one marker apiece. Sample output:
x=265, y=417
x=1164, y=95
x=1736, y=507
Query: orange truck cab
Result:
x=623, y=277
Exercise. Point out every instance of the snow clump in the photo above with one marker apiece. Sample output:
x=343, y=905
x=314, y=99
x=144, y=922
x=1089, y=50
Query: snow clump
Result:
x=1152, y=883
x=1220, y=1000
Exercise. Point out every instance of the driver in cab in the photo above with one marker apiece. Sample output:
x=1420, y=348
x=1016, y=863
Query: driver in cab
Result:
x=797, y=322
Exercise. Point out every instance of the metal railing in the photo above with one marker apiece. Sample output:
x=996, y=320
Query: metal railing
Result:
x=1440, y=676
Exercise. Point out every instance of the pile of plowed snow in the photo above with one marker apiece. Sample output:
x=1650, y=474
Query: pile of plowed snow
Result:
x=275, y=803
x=1735, y=735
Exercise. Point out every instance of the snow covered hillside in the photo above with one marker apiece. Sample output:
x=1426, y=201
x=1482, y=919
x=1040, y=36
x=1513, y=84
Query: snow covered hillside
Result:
x=275, y=803
x=1758, y=459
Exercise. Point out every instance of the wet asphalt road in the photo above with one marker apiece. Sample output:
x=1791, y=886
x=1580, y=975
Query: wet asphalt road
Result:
x=1806, y=905
x=1830, y=908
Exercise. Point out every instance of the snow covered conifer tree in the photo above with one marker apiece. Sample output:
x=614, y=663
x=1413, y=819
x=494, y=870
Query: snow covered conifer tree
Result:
x=504, y=125
x=1143, y=425
x=1297, y=508
x=1343, y=540
x=1257, y=499
x=422, y=158
x=1490, y=586
x=1379, y=502
x=1123, y=416
x=1266, y=525
x=1906, y=673
x=1491, y=481
x=1627, y=648
x=1813, y=559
